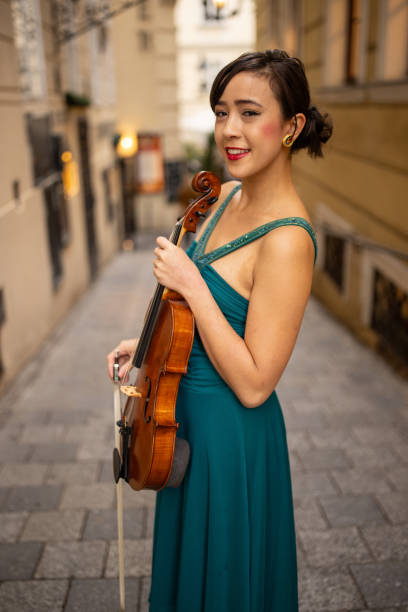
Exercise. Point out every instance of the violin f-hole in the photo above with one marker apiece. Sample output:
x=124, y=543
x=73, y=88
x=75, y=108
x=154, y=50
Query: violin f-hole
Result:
x=147, y=420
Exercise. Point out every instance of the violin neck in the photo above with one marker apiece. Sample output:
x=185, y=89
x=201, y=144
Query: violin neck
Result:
x=153, y=312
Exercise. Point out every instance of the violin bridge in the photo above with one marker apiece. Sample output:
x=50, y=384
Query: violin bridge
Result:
x=130, y=391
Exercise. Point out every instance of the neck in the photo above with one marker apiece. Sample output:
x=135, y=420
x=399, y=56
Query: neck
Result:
x=269, y=190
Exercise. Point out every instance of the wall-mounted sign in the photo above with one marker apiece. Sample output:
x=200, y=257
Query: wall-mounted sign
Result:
x=149, y=164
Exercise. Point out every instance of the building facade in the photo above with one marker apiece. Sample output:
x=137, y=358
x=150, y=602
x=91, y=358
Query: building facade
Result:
x=356, y=59
x=60, y=210
x=205, y=45
x=144, y=41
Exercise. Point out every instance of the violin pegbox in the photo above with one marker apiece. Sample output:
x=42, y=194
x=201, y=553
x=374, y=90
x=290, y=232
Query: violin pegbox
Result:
x=210, y=185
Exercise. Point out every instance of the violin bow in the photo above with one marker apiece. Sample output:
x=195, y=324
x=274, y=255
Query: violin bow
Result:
x=119, y=492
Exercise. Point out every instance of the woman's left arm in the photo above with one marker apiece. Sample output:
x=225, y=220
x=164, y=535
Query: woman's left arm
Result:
x=252, y=365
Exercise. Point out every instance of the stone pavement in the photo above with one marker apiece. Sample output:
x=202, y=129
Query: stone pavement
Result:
x=346, y=415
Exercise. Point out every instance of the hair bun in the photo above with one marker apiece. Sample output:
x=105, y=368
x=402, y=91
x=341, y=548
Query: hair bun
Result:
x=323, y=124
x=276, y=55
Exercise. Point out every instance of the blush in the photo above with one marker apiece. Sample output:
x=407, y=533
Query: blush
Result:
x=270, y=129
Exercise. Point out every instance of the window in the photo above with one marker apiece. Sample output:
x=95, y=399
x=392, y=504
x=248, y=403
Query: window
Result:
x=390, y=315
x=145, y=40
x=334, y=258
x=392, y=59
x=29, y=44
x=346, y=29
x=107, y=188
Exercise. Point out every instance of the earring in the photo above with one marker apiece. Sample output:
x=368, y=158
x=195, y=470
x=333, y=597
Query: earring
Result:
x=287, y=141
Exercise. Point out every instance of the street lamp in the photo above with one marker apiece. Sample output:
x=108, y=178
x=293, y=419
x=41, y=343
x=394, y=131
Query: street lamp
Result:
x=216, y=9
x=126, y=145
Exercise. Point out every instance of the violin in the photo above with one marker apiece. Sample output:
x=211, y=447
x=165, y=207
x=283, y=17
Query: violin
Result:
x=150, y=455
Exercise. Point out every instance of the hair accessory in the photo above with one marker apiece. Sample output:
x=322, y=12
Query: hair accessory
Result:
x=287, y=141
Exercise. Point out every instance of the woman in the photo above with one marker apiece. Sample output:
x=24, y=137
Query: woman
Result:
x=224, y=541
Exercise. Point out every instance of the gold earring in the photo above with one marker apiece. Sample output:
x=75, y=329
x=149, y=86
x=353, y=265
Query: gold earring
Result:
x=287, y=141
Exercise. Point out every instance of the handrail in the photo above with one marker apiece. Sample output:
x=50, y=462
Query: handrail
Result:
x=359, y=241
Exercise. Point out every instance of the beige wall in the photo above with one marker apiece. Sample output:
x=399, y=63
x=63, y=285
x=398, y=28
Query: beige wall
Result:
x=361, y=184
x=215, y=42
x=146, y=83
x=32, y=305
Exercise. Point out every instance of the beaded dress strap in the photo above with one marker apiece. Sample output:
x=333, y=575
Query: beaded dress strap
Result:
x=208, y=258
x=202, y=242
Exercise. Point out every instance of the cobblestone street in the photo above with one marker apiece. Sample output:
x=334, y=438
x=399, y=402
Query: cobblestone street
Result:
x=346, y=415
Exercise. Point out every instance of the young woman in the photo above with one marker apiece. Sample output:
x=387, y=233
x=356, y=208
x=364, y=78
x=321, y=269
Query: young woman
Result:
x=225, y=541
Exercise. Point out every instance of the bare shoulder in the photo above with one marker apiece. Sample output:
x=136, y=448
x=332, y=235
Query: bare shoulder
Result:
x=284, y=248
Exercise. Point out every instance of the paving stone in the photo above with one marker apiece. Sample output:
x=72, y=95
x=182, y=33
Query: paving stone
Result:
x=23, y=474
x=97, y=450
x=4, y=493
x=68, y=417
x=138, y=558
x=145, y=584
x=72, y=560
x=18, y=561
x=334, y=547
x=14, y=453
x=106, y=471
x=33, y=498
x=324, y=459
x=150, y=522
x=102, y=524
x=361, y=480
x=135, y=499
x=11, y=525
x=102, y=595
x=378, y=436
x=50, y=526
x=365, y=457
x=33, y=596
x=395, y=506
x=383, y=584
x=299, y=440
x=54, y=452
x=72, y=473
x=308, y=515
x=351, y=510
x=399, y=477
x=91, y=434
x=339, y=438
x=97, y=495
x=327, y=590
x=42, y=434
x=311, y=484
x=387, y=542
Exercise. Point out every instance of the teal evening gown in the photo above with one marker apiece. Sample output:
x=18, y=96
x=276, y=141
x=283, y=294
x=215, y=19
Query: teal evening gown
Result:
x=224, y=541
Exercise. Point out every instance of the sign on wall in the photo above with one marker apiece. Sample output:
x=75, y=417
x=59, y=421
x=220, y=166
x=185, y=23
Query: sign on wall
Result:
x=149, y=164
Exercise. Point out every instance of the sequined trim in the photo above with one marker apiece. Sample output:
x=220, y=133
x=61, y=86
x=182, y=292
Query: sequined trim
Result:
x=202, y=242
x=202, y=259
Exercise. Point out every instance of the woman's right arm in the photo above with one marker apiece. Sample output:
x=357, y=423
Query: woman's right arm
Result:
x=126, y=349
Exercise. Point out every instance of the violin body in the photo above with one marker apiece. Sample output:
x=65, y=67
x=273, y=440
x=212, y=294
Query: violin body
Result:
x=152, y=416
x=149, y=455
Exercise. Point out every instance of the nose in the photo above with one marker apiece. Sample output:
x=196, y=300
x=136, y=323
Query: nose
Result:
x=232, y=125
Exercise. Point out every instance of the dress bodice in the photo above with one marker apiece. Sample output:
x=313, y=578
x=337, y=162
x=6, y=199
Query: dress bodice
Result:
x=232, y=304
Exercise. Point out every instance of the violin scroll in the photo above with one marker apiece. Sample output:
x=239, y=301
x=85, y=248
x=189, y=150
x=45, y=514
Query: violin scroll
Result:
x=210, y=185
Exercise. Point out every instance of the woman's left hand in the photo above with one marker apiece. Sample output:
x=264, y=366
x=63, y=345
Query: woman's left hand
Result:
x=174, y=269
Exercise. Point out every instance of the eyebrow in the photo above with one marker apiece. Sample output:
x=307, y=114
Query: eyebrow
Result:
x=248, y=101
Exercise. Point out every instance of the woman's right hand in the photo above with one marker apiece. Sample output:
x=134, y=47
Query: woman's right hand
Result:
x=126, y=348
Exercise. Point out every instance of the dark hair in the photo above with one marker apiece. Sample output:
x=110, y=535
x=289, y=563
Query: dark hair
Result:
x=289, y=84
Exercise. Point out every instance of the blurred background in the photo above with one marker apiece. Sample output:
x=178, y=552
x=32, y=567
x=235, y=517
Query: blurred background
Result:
x=104, y=120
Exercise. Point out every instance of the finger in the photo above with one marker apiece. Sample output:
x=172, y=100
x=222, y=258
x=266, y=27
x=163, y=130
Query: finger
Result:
x=163, y=242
